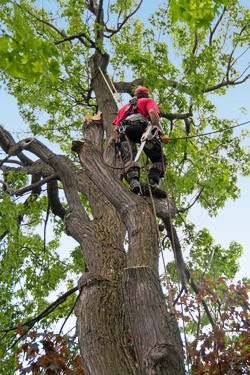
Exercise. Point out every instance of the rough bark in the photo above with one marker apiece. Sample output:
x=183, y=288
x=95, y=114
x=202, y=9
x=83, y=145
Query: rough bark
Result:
x=155, y=331
x=100, y=328
x=162, y=353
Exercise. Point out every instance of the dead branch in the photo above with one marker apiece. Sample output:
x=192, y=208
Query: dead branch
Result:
x=10, y=147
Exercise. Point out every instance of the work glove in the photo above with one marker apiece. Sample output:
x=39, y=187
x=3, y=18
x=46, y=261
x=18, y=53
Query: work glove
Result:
x=164, y=138
x=156, y=131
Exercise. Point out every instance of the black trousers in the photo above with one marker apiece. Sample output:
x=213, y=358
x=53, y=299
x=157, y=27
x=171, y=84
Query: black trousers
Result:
x=153, y=149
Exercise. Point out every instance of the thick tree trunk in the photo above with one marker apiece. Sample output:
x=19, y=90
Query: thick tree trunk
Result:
x=154, y=329
x=109, y=312
x=100, y=328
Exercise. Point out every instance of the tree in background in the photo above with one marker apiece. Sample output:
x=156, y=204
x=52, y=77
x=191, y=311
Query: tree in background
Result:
x=57, y=60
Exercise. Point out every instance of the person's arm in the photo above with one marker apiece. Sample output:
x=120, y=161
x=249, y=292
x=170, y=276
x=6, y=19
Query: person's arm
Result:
x=154, y=117
x=155, y=120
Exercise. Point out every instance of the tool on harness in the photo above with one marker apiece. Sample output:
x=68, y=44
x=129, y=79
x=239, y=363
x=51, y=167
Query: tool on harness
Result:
x=164, y=138
x=151, y=133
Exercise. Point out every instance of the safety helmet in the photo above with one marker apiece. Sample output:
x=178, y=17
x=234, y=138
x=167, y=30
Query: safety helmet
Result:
x=141, y=90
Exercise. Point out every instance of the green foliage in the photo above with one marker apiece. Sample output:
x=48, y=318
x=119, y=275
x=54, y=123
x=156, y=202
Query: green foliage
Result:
x=196, y=13
x=212, y=260
x=23, y=54
x=33, y=270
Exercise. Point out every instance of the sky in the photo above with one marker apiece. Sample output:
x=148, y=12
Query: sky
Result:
x=232, y=223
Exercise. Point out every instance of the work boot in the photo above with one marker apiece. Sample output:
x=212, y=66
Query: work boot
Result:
x=153, y=184
x=132, y=176
x=135, y=186
x=155, y=190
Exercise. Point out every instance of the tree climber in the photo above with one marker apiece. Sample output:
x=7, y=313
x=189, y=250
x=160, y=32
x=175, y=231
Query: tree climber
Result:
x=130, y=123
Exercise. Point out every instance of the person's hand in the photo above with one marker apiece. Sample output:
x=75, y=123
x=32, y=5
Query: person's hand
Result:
x=156, y=131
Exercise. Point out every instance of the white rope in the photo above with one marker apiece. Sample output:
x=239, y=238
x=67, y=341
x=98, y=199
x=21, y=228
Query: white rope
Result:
x=108, y=85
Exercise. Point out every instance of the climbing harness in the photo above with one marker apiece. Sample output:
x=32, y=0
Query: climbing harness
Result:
x=133, y=103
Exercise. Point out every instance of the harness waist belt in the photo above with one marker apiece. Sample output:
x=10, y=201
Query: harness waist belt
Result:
x=135, y=117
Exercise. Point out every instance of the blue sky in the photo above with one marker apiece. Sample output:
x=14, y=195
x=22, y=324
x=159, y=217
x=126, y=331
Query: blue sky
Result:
x=232, y=223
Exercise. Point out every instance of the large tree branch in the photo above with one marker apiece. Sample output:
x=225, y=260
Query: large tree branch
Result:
x=90, y=44
x=54, y=201
x=36, y=169
x=76, y=217
x=187, y=88
x=66, y=176
x=176, y=116
x=226, y=83
x=42, y=20
x=27, y=325
x=128, y=87
x=99, y=13
x=33, y=186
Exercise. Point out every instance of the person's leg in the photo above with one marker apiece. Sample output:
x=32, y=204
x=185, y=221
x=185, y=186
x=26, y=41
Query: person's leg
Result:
x=153, y=150
x=132, y=169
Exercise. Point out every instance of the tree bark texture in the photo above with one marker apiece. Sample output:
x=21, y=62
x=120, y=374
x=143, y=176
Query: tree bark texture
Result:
x=136, y=307
x=155, y=332
x=100, y=329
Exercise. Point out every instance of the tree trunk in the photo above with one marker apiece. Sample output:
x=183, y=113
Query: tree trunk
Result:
x=154, y=329
x=123, y=324
x=100, y=328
